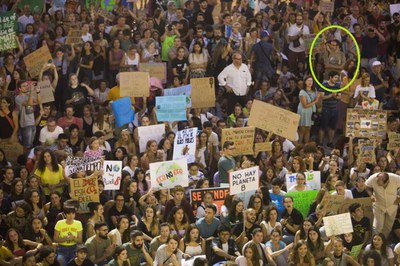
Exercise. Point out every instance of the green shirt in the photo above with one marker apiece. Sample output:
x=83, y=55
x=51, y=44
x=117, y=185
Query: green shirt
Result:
x=167, y=43
x=225, y=164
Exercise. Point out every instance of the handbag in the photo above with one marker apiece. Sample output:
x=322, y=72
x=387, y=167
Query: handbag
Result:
x=296, y=43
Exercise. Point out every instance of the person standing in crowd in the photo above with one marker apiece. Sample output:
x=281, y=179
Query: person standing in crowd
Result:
x=296, y=42
x=226, y=163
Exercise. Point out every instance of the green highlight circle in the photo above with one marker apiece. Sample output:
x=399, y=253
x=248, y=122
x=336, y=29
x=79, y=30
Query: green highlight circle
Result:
x=358, y=58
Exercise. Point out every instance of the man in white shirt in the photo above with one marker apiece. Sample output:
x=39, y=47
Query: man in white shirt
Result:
x=25, y=19
x=49, y=134
x=296, y=42
x=383, y=189
x=236, y=79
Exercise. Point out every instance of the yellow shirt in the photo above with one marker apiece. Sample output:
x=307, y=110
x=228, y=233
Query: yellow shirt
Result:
x=5, y=254
x=51, y=178
x=114, y=95
x=67, y=229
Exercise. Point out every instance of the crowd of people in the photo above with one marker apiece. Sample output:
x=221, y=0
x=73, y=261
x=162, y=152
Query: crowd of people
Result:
x=254, y=50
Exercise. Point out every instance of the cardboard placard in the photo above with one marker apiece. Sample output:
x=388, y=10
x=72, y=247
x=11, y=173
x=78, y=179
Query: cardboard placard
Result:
x=203, y=92
x=197, y=195
x=244, y=180
x=8, y=27
x=369, y=124
x=366, y=149
x=374, y=105
x=331, y=203
x=46, y=91
x=274, y=119
x=171, y=108
x=158, y=70
x=74, y=37
x=134, y=84
x=12, y=150
x=327, y=5
x=366, y=204
x=394, y=141
x=85, y=189
x=146, y=133
x=302, y=200
x=36, y=60
x=263, y=146
x=242, y=137
x=338, y=224
x=169, y=174
x=185, y=144
x=313, y=180
x=112, y=175
x=105, y=14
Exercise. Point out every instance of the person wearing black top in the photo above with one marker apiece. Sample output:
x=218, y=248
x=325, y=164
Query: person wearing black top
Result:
x=291, y=220
x=222, y=243
x=80, y=257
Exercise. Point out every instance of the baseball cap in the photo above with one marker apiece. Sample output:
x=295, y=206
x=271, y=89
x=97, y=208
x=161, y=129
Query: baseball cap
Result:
x=376, y=63
x=264, y=33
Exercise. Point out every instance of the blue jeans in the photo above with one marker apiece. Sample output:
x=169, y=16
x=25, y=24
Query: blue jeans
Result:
x=28, y=135
x=65, y=254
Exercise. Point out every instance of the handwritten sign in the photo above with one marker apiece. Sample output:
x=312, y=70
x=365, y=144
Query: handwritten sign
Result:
x=244, y=180
x=263, y=146
x=158, y=70
x=76, y=164
x=274, y=119
x=394, y=141
x=108, y=4
x=146, y=133
x=74, y=37
x=203, y=92
x=313, y=180
x=46, y=91
x=331, y=203
x=338, y=224
x=171, y=108
x=362, y=123
x=8, y=27
x=366, y=204
x=36, y=60
x=134, y=84
x=242, y=137
x=169, y=174
x=219, y=195
x=374, y=105
x=13, y=150
x=112, y=175
x=184, y=90
x=85, y=189
x=302, y=200
x=326, y=5
x=366, y=151
x=185, y=144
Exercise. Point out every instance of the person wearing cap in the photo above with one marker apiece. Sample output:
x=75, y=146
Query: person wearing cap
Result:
x=80, y=259
x=379, y=80
x=261, y=60
x=114, y=93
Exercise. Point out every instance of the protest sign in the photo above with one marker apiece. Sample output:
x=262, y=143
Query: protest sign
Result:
x=274, y=119
x=203, y=92
x=366, y=149
x=302, y=200
x=319, y=46
x=76, y=164
x=169, y=174
x=46, y=91
x=326, y=5
x=105, y=14
x=242, y=137
x=338, y=224
x=158, y=70
x=362, y=123
x=219, y=195
x=36, y=60
x=108, y=4
x=13, y=150
x=59, y=3
x=8, y=28
x=123, y=112
x=394, y=141
x=85, y=189
x=277, y=200
x=35, y=5
x=263, y=146
x=366, y=204
x=331, y=203
x=74, y=37
x=394, y=8
x=171, y=108
x=93, y=154
x=374, y=105
x=112, y=175
x=146, y=133
x=185, y=145
x=313, y=180
x=355, y=251
x=244, y=180
x=134, y=84
x=184, y=90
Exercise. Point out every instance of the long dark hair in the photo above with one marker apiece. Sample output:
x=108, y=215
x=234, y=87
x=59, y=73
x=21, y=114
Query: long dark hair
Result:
x=191, y=227
x=232, y=211
x=320, y=242
x=42, y=164
x=9, y=243
x=383, y=249
x=144, y=182
x=3, y=162
x=171, y=218
x=28, y=196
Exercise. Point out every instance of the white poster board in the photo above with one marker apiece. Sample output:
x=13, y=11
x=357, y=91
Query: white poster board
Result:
x=244, y=180
x=313, y=180
x=185, y=144
x=338, y=224
x=112, y=175
x=146, y=133
x=169, y=174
